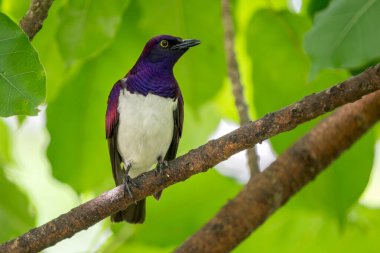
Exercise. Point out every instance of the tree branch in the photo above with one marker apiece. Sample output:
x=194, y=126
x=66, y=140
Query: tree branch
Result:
x=234, y=75
x=300, y=164
x=198, y=160
x=38, y=10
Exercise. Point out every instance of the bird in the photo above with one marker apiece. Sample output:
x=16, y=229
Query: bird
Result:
x=144, y=118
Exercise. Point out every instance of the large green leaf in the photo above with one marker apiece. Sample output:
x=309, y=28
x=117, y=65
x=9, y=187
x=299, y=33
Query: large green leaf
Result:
x=15, y=214
x=22, y=77
x=280, y=70
x=87, y=26
x=344, y=35
x=293, y=230
x=82, y=101
x=341, y=185
x=280, y=66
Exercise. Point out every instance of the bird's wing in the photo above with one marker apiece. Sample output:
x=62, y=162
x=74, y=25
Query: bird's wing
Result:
x=177, y=131
x=112, y=125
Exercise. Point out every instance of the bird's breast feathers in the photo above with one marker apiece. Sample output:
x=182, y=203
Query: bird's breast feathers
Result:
x=145, y=129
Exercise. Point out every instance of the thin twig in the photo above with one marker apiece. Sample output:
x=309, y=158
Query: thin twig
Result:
x=300, y=164
x=200, y=160
x=38, y=10
x=234, y=75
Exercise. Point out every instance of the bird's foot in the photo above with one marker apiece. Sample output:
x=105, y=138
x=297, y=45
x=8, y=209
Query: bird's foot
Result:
x=161, y=165
x=128, y=182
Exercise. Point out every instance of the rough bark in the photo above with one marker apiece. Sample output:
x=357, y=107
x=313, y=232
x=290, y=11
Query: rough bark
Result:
x=200, y=160
x=32, y=22
x=300, y=164
x=234, y=75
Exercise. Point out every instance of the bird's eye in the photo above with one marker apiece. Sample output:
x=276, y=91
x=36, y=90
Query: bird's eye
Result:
x=164, y=43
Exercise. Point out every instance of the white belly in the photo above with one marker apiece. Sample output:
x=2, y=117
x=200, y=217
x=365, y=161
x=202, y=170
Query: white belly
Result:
x=145, y=129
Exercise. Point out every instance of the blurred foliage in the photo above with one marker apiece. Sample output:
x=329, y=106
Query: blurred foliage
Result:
x=85, y=27
x=22, y=78
x=86, y=46
x=15, y=216
x=294, y=230
x=15, y=213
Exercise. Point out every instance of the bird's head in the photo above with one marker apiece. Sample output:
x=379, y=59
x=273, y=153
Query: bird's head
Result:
x=165, y=50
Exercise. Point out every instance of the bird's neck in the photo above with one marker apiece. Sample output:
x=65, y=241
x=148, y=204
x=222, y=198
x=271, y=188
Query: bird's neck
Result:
x=152, y=78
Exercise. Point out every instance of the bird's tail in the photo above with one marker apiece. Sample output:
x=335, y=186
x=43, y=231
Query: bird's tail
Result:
x=135, y=213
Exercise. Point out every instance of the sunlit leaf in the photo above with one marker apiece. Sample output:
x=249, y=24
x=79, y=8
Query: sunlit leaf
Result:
x=5, y=155
x=22, y=77
x=344, y=35
x=87, y=26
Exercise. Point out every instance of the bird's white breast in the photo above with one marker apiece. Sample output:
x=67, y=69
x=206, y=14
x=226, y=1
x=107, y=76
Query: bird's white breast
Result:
x=145, y=129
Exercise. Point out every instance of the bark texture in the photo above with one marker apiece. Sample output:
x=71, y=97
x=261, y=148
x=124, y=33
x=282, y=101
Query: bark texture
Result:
x=34, y=18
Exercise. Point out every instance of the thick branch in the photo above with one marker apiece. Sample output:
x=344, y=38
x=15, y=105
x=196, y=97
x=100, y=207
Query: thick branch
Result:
x=196, y=161
x=31, y=23
x=300, y=164
x=234, y=75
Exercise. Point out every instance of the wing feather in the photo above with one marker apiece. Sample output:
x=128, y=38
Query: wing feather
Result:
x=177, y=132
x=112, y=125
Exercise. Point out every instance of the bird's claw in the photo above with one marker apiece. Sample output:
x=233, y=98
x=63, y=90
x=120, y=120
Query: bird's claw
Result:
x=161, y=165
x=127, y=183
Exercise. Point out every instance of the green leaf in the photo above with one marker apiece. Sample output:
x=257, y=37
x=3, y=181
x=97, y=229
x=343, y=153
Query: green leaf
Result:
x=344, y=35
x=15, y=216
x=315, y=6
x=337, y=189
x=88, y=26
x=294, y=230
x=280, y=66
x=281, y=82
x=5, y=155
x=22, y=77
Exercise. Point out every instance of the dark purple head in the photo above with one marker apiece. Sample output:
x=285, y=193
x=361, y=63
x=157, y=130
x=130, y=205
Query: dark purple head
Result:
x=164, y=51
x=153, y=71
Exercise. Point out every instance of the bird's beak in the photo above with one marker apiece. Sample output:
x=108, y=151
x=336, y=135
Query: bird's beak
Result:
x=186, y=44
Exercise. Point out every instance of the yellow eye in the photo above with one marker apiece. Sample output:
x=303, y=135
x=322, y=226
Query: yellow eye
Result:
x=164, y=43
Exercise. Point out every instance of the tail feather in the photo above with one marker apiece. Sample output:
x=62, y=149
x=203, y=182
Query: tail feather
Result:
x=135, y=213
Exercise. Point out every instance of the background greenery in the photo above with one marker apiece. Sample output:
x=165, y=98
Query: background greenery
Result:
x=53, y=162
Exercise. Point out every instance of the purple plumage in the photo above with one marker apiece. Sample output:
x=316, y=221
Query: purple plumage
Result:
x=144, y=117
